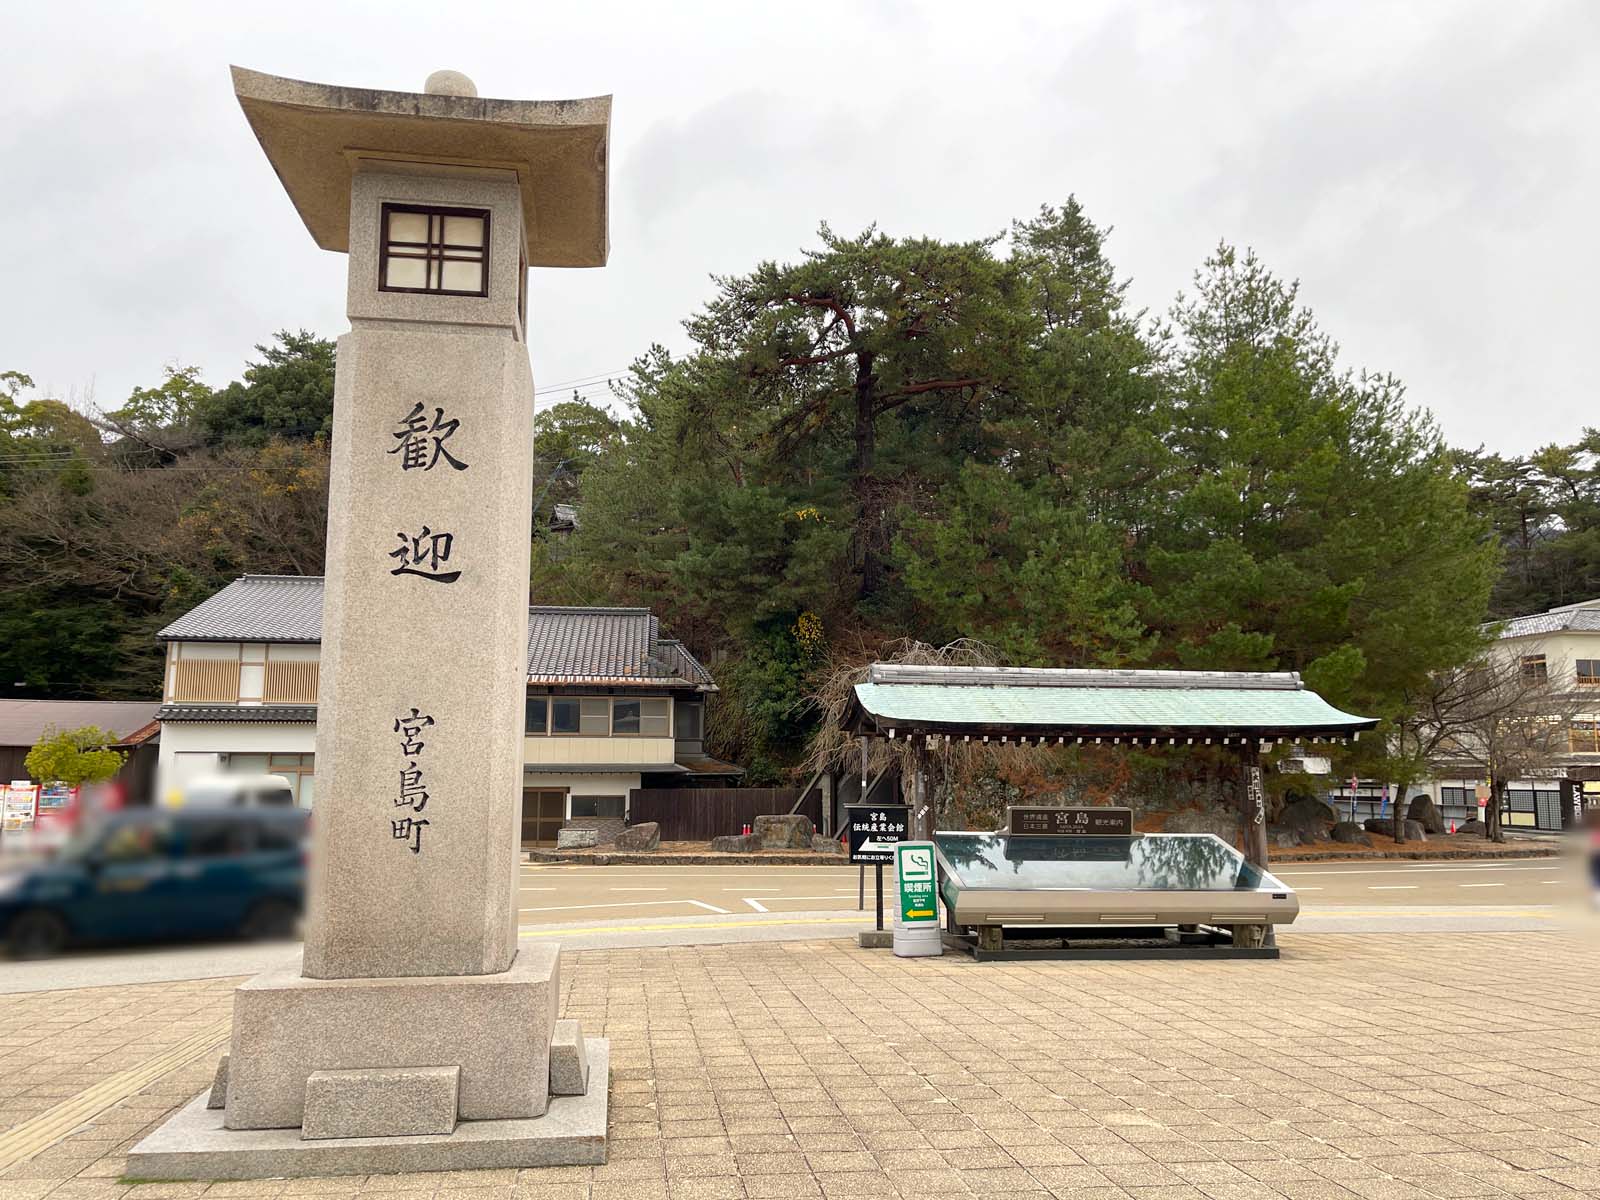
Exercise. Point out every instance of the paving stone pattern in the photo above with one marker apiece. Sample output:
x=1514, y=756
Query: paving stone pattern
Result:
x=1371, y=1067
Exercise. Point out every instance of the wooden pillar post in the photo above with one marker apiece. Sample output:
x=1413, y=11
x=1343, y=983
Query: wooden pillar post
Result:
x=921, y=821
x=1253, y=803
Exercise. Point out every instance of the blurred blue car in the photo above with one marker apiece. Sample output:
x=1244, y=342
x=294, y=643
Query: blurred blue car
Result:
x=151, y=874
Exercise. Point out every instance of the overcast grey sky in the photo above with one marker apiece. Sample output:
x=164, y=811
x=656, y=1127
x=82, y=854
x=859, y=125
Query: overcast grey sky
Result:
x=1429, y=172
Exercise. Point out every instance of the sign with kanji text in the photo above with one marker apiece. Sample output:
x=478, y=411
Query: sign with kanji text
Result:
x=1069, y=822
x=915, y=875
x=874, y=829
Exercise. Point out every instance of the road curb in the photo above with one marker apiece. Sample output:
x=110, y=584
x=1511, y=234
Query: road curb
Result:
x=1286, y=856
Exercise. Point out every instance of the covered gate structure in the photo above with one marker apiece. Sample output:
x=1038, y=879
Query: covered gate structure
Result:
x=930, y=708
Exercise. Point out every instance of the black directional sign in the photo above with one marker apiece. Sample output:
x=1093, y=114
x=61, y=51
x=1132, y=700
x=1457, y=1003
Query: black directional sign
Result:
x=874, y=829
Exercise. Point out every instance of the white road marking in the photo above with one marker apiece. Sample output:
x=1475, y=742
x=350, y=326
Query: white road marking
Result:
x=755, y=904
x=1392, y=887
x=617, y=904
x=1480, y=885
x=634, y=889
x=708, y=907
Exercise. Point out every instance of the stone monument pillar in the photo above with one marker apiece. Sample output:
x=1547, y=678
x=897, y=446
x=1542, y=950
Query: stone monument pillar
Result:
x=414, y=1007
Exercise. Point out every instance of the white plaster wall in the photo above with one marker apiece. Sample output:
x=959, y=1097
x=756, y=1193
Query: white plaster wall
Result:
x=207, y=738
x=558, y=749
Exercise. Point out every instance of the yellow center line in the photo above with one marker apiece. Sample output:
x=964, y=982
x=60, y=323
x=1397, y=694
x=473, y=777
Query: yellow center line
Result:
x=49, y=1127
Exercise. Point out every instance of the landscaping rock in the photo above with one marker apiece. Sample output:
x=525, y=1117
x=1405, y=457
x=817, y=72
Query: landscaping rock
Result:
x=644, y=836
x=577, y=839
x=1283, y=839
x=1424, y=811
x=1416, y=831
x=826, y=845
x=735, y=843
x=1309, y=816
x=1190, y=820
x=784, y=832
x=1349, y=833
x=1384, y=825
x=1472, y=826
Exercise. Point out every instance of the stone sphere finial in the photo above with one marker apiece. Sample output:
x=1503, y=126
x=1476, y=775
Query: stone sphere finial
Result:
x=449, y=83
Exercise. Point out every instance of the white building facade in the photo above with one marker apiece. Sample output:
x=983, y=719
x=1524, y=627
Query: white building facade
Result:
x=1562, y=645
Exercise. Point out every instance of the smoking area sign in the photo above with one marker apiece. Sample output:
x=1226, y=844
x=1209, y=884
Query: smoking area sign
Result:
x=913, y=868
x=874, y=829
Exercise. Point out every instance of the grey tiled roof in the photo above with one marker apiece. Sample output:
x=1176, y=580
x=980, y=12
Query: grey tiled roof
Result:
x=1572, y=618
x=22, y=722
x=565, y=645
x=294, y=714
x=255, y=608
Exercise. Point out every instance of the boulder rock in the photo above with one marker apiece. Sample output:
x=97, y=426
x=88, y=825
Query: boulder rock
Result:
x=1472, y=826
x=577, y=839
x=735, y=843
x=1384, y=825
x=1416, y=831
x=1349, y=833
x=826, y=845
x=644, y=836
x=1310, y=816
x=1283, y=839
x=784, y=832
x=1192, y=820
x=1426, y=813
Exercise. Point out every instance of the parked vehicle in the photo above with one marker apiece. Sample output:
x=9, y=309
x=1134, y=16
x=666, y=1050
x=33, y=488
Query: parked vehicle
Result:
x=154, y=874
x=234, y=791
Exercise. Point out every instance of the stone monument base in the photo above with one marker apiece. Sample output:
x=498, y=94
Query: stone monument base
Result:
x=193, y=1144
x=495, y=1028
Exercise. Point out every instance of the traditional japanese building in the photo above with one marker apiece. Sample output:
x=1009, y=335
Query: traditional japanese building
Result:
x=612, y=705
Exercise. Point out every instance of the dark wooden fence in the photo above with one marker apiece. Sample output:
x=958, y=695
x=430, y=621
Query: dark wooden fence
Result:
x=700, y=814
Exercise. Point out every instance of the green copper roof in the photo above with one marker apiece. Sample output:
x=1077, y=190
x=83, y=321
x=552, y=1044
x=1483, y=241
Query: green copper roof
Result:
x=1079, y=703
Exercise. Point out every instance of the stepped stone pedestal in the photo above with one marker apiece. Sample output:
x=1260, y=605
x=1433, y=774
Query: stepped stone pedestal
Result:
x=416, y=1034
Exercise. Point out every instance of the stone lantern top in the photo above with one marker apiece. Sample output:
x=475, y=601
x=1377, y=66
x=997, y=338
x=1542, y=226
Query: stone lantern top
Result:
x=450, y=83
x=315, y=134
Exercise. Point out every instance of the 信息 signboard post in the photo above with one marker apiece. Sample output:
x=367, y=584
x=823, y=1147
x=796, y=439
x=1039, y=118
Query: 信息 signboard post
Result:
x=871, y=832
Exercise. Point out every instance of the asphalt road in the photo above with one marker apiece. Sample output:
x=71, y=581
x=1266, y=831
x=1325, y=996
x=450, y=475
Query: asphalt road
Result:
x=624, y=906
x=560, y=893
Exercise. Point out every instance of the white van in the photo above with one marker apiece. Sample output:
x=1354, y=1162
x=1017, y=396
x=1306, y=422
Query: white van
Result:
x=233, y=791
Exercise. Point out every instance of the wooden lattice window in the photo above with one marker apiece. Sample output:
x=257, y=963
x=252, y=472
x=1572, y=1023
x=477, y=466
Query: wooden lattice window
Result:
x=440, y=251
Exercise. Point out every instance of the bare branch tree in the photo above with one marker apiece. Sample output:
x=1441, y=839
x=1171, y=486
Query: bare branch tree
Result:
x=1509, y=719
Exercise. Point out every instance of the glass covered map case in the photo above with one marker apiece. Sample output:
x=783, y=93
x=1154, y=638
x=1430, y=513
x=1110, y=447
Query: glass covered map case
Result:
x=1151, y=892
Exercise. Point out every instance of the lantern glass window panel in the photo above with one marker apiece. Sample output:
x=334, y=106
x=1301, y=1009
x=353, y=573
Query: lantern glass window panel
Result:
x=444, y=251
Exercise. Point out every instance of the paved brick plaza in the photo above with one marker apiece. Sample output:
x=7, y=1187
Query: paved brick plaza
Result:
x=1378, y=1066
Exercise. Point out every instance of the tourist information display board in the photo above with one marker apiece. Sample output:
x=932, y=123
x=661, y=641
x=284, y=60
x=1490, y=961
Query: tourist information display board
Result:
x=1003, y=886
x=1069, y=822
x=874, y=829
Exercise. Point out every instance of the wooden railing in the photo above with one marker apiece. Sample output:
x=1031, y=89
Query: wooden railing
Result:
x=206, y=681
x=290, y=683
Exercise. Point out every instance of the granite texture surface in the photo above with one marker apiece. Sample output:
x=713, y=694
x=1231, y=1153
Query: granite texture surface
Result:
x=218, y=1096
x=387, y=1102
x=194, y=1144
x=569, y=1068
x=496, y=1028
x=416, y=874
x=557, y=150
